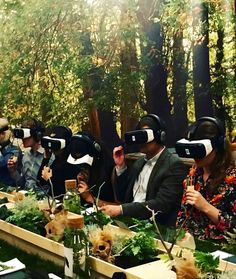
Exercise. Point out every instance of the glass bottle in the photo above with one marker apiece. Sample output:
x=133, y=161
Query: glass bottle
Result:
x=76, y=247
x=71, y=200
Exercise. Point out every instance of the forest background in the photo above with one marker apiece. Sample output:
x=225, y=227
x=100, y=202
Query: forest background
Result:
x=99, y=65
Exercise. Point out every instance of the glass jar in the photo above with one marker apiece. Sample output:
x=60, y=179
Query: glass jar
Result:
x=71, y=200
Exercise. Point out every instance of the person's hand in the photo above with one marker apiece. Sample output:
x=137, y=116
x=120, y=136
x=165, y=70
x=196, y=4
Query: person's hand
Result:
x=83, y=189
x=196, y=199
x=12, y=164
x=111, y=210
x=46, y=173
x=47, y=153
x=83, y=175
x=119, y=157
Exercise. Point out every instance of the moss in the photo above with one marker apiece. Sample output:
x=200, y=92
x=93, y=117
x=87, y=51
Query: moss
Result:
x=211, y=246
x=207, y=245
x=32, y=262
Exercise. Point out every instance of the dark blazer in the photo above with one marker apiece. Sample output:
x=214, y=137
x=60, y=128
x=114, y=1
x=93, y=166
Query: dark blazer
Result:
x=164, y=189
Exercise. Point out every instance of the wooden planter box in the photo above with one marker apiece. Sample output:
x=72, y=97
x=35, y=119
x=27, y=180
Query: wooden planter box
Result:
x=54, y=251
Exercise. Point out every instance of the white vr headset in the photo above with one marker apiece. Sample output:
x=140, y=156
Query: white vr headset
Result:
x=53, y=143
x=86, y=159
x=22, y=133
x=195, y=149
x=139, y=136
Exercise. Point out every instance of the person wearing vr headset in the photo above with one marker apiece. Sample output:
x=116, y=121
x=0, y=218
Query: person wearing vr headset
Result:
x=154, y=181
x=53, y=173
x=95, y=167
x=31, y=132
x=7, y=150
x=209, y=204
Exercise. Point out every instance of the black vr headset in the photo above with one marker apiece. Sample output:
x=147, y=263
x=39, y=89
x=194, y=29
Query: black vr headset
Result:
x=54, y=144
x=195, y=149
x=83, y=148
x=3, y=129
x=139, y=136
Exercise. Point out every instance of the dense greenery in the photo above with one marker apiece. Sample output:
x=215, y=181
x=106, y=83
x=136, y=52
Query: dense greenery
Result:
x=73, y=61
x=26, y=214
x=206, y=262
x=141, y=247
x=96, y=217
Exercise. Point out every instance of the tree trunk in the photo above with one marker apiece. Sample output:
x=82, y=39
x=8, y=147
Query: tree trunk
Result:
x=180, y=76
x=101, y=122
x=219, y=75
x=157, y=100
x=129, y=94
x=129, y=66
x=201, y=69
x=108, y=130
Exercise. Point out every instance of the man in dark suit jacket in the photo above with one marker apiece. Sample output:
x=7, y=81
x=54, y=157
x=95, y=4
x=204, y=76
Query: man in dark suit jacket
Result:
x=154, y=180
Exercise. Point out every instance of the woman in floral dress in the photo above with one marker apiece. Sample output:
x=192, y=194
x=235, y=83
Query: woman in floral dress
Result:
x=208, y=208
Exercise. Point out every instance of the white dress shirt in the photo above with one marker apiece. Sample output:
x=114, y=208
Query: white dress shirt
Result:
x=140, y=185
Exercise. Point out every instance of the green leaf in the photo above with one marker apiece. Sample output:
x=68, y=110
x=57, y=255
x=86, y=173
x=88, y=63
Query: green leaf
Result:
x=206, y=262
x=135, y=250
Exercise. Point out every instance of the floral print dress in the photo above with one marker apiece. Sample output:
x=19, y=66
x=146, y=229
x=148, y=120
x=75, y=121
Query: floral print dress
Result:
x=197, y=223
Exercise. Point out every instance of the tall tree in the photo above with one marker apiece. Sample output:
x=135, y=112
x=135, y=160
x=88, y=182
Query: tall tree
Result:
x=201, y=70
x=222, y=20
x=180, y=77
x=157, y=100
x=129, y=71
x=129, y=66
x=101, y=120
x=219, y=82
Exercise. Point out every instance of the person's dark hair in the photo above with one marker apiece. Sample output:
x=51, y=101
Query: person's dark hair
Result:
x=101, y=168
x=37, y=128
x=155, y=123
x=149, y=120
x=32, y=123
x=223, y=159
x=61, y=132
x=84, y=143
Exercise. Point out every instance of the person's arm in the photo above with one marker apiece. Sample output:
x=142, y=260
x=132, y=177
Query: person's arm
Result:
x=112, y=210
x=195, y=198
x=3, y=159
x=43, y=164
x=165, y=199
x=12, y=165
x=119, y=176
x=168, y=196
x=117, y=180
x=85, y=194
